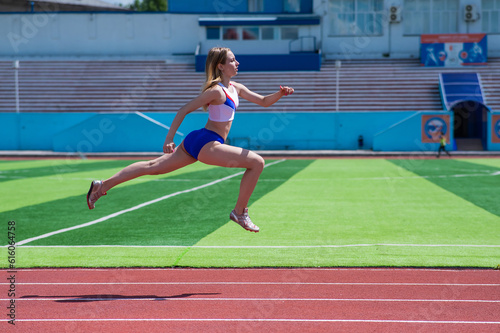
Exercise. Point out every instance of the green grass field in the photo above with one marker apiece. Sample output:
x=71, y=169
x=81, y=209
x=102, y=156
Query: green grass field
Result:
x=326, y=212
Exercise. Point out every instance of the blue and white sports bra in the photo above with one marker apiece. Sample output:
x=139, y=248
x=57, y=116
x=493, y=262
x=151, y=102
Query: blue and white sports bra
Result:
x=224, y=112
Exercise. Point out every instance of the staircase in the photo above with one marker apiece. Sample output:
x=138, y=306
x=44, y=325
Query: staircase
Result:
x=154, y=86
x=469, y=144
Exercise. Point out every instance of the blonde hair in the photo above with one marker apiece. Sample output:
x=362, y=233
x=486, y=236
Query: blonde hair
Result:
x=216, y=56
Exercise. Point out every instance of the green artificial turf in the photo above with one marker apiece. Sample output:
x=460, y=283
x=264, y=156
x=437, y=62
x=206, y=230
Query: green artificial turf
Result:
x=328, y=212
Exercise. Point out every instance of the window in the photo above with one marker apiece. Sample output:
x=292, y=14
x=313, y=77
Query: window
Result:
x=250, y=33
x=230, y=33
x=490, y=16
x=356, y=17
x=430, y=16
x=213, y=33
x=292, y=6
x=268, y=33
x=255, y=6
x=289, y=33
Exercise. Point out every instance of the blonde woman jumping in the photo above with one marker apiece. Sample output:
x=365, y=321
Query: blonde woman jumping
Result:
x=220, y=97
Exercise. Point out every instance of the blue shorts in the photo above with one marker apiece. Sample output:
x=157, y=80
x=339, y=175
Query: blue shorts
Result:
x=195, y=140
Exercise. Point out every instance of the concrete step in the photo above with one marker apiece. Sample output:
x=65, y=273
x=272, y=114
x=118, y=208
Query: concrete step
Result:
x=466, y=144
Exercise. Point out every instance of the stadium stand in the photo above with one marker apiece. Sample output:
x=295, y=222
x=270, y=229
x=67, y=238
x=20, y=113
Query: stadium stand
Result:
x=153, y=86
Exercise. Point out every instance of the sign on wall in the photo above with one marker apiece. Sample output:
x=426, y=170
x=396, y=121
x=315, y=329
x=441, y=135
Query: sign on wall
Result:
x=453, y=50
x=433, y=126
x=495, y=128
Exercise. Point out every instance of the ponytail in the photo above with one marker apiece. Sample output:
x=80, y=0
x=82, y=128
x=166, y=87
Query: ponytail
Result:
x=213, y=75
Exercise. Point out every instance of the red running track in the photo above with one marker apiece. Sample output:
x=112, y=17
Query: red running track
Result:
x=253, y=300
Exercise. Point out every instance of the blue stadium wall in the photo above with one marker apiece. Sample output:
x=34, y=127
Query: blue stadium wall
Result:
x=233, y=7
x=129, y=132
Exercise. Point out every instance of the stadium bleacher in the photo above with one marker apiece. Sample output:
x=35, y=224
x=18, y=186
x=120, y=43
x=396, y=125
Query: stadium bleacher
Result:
x=155, y=86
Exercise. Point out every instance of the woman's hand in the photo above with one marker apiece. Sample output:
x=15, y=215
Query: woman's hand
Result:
x=286, y=90
x=168, y=146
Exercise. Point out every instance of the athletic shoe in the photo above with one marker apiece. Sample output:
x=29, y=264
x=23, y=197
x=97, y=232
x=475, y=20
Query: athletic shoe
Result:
x=94, y=193
x=244, y=220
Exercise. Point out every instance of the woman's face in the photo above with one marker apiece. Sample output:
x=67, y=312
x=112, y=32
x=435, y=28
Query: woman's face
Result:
x=230, y=68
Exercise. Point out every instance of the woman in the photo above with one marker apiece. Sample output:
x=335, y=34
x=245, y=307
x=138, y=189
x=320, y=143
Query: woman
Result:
x=220, y=96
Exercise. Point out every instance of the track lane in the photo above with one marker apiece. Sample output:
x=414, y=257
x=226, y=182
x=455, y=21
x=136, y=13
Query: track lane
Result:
x=249, y=327
x=417, y=293
x=281, y=275
x=241, y=300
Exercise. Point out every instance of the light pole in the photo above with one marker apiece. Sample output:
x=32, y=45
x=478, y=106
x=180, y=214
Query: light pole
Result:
x=338, y=64
x=15, y=65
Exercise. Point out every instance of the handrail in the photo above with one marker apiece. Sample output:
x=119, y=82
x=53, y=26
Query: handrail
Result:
x=417, y=113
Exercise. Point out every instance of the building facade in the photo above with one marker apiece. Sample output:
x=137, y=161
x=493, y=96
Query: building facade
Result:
x=335, y=29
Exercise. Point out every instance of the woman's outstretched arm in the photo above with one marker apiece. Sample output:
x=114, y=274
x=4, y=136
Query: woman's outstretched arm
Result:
x=264, y=101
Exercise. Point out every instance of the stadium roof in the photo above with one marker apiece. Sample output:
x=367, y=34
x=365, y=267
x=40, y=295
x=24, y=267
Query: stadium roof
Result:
x=458, y=88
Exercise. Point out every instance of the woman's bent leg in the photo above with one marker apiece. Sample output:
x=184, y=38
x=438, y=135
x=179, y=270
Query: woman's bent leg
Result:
x=215, y=153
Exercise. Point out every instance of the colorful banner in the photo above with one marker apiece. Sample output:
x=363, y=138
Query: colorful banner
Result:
x=495, y=128
x=433, y=126
x=453, y=50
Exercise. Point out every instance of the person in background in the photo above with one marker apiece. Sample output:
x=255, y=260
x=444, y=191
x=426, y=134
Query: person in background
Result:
x=442, y=145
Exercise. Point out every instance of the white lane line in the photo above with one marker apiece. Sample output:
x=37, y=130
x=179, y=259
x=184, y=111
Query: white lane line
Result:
x=70, y=299
x=491, y=174
x=459, y=271
x=105, y=218
x=258, y=320
x=497, y=173
x=259, y=283
x=260, y=246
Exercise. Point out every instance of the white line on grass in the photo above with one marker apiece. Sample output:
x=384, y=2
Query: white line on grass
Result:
x=492, y=174
x=105, y=218
x=259, y=246
x=259, y=320
x=496, y=173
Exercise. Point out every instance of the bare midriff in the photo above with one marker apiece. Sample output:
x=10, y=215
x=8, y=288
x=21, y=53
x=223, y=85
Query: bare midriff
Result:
x=221, y=128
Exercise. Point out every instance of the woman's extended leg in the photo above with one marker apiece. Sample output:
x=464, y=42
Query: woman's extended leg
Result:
x=161, y=165
x=215, y=153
